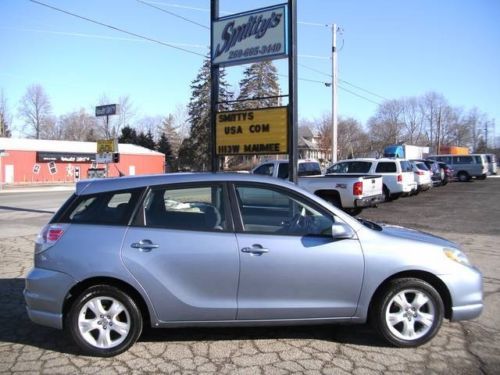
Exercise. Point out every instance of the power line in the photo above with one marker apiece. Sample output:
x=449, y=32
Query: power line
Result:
x=116, y=28
x=172, y=14
x=359, y=96
x=362, y=89
x=344, y=81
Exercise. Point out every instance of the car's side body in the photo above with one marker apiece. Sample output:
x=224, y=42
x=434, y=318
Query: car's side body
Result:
x=230, y=255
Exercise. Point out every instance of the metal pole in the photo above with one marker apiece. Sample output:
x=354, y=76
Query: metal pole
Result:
x=334, y=93
x=214, y=89
x=292, y=91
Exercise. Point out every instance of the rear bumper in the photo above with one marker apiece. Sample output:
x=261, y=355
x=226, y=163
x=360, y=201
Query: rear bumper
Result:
x=369, y=201
x=44, y=294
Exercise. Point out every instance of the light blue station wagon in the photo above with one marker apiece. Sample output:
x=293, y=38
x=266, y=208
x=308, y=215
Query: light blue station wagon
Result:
x=231, y=249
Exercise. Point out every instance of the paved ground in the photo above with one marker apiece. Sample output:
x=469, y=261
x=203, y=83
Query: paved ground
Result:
x=467, y=213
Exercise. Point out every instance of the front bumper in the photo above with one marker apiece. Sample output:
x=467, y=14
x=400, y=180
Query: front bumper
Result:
x=369, y=201
x=44, y=294
x=466, y=289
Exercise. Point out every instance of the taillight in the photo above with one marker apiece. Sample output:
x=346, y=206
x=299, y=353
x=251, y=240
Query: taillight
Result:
x=420, y=173
x=400, y=178
x=49, y=235
x=357, y=188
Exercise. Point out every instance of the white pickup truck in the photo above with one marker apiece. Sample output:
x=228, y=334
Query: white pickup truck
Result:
x=351, y=192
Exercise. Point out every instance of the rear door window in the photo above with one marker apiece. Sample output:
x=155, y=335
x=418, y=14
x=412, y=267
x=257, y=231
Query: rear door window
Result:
x=386, y=167
x=186, y=208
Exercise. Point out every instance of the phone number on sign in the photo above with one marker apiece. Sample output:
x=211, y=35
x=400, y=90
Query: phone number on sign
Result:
x=255, y=51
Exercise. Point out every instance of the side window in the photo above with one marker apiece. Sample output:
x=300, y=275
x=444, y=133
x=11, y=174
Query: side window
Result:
x=463, y=160
x=266, y=169
x=186, y=208
x=386, y=167
x=271, y=211
x=112, y=208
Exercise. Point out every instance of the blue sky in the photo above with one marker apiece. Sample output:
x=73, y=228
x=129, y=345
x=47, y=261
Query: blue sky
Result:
x=391, y=48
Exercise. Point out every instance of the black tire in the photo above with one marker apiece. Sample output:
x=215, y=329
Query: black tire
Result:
x=422, y=304
x=387, y=194
x=116, y=329
x=463, y=177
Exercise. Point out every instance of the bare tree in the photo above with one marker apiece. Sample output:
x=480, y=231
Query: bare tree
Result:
x=78, y=126
x=35, y=111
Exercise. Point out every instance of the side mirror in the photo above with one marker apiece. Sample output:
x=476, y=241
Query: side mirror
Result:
x=341, y=231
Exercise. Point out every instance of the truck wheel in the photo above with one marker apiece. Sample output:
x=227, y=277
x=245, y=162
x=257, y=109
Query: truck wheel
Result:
x=463, y=176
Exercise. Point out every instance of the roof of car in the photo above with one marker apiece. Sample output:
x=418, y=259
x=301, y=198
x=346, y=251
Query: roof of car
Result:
x=99, y=185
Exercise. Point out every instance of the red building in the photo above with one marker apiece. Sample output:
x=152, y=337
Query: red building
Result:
x=28, y=161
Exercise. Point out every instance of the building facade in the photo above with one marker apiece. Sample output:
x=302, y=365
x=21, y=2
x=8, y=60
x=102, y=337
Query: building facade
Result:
x=34, y=161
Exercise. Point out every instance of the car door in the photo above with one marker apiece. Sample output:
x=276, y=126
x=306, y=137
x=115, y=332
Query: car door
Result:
x=182, y=250
x=290, y=265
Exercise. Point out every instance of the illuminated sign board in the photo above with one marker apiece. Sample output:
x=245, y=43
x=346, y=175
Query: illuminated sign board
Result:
x=250, y=36
x=253, y=131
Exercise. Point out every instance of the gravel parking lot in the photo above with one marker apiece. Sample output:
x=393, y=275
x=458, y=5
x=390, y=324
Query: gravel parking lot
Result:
x=467, y=213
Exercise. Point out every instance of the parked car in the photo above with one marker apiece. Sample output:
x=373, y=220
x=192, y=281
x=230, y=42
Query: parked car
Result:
x=397, y=174
x=181, y=250
x=465, y=166
x=351, y=192
x=437, y=173
x=423, y=176
x=448, y=173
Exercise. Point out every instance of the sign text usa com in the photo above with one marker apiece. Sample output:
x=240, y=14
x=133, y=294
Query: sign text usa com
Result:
x=257, y=131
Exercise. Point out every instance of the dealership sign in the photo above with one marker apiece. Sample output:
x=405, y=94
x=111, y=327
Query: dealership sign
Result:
x=250, y=132
x=106, y=110
x=63, y=157
x=250, y=36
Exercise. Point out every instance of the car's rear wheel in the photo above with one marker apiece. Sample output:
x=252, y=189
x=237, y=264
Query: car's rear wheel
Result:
x=408, y=312
x=104, y=321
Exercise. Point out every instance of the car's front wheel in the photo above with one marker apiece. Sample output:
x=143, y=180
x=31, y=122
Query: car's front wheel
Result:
x=408, y=312
x=104, y=321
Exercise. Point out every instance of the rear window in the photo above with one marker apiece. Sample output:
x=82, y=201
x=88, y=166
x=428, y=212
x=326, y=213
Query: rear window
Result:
x=309, y=169
x=110, y=208
x=386, y=167
x=422, y=166
x=351, y=167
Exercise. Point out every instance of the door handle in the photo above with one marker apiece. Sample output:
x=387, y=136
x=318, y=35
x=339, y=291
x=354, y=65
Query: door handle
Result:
x=255, y=250
x=144, y=245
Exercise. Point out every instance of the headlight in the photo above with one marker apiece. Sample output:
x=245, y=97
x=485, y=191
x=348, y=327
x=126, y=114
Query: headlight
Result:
x=457, y=256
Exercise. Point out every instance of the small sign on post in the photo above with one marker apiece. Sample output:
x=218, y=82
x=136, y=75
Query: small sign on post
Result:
x=105, y=150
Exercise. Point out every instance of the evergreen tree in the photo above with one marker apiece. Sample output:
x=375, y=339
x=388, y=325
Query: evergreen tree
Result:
x=195, y=153
x=146, y=140
x=165, y=147
x=129, y=135
x=260, y=81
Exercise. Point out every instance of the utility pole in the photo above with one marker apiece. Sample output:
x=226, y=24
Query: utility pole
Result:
x=334, y=93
